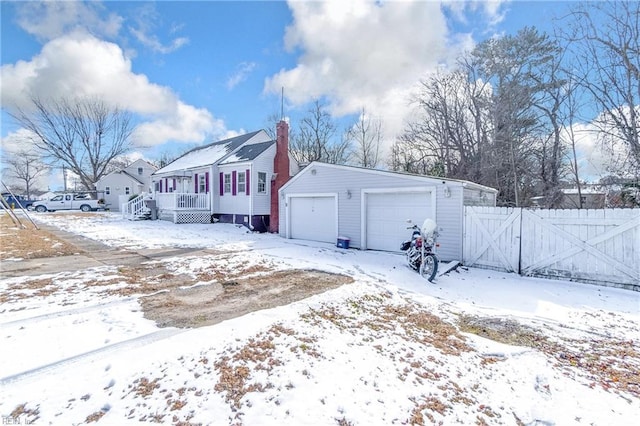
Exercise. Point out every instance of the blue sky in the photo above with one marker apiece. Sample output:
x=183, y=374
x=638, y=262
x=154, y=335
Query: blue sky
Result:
x=197, y=71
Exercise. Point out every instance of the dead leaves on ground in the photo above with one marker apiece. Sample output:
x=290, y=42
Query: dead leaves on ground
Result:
x=610, y=363
x=28, y=242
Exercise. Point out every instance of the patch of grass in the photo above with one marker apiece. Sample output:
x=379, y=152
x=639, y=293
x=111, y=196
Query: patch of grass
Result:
x=94, y=417
x=22, y=410
x=609, y=363
x=29, y=242
x=502, y=330
x=144, y=387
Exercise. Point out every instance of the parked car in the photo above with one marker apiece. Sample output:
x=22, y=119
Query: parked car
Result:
x=16, y=201
x=69, y=201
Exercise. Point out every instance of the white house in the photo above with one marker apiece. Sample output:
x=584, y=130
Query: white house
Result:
x=121, y=184
x=371, y=207
x=234, y=180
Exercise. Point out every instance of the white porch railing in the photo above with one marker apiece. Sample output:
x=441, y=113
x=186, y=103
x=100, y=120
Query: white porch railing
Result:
x=132, y=208
x=182, y=201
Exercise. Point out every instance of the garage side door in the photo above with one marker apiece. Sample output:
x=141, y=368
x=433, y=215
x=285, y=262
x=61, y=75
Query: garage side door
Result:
x=387, y=214
x=313, y=218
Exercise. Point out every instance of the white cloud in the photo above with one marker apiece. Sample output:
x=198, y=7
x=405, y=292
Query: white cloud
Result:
x=151, y=41
x=51, y=19
x=147, y=20
x=18, y=141
x=186, y=123
x=364, y=54
x=82, y=65
x=598, y=153
x=242, y=72
x=592, y=161
x=492, y=11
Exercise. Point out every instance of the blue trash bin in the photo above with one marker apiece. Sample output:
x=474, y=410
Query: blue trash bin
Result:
x=343, y=242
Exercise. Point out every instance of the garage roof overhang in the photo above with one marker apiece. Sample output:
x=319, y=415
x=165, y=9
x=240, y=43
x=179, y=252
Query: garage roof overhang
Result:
x=421, y=178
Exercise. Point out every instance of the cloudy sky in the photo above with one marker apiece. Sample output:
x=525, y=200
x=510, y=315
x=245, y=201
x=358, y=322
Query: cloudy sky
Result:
x=194, y=72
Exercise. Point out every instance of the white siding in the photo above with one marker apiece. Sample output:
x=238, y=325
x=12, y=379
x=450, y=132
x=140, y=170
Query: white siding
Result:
x=264, y=163
x=348, y=180
x=229, y=203
x=147, y=171
x=117, y=182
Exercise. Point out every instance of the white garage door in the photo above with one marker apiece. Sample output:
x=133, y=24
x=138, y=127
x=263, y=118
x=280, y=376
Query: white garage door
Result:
x=313, y=218
x=387, y=214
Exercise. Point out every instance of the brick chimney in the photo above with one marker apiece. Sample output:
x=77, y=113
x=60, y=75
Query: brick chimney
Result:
x=280, y=171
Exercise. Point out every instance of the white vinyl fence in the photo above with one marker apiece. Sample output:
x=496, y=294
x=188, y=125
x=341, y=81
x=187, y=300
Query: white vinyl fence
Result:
x=597, y=246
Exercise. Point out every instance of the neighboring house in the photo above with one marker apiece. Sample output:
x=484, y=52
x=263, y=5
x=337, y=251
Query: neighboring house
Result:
x=118, y=186
x=371, y=207
x=592, y=198
x=235, y=180
x=46, y=196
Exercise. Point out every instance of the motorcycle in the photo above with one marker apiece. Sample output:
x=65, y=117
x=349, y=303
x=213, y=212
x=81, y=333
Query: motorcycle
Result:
x=419, y=249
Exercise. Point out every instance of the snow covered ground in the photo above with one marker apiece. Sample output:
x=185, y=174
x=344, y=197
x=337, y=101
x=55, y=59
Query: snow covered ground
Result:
x=387, y=349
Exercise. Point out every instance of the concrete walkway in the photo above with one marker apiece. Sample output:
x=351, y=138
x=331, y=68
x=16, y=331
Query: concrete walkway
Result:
x=90, y=254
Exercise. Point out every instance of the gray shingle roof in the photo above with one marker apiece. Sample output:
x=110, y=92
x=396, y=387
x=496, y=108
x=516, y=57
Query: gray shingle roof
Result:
x=248, y=152
x=207, y=154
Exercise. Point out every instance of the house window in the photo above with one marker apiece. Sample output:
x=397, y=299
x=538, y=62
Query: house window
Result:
x=202, y=184
x=127, y=190
x=107, y=190
x=156, y=186
x=140, y=171
x=227, y=183
x=262, y=183
x=241, y=182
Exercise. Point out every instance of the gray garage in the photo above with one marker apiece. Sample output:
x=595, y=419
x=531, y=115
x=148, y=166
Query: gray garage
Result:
x=371, y=207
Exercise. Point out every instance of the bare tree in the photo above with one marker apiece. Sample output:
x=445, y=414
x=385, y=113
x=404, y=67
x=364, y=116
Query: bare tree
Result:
x=605, y=39
x=365, y=138
x=26, y=168
x=490, y=120
x=119, y=163
x=82, y=134
x=315, y=139
x=412, y=156
x=569, y=117
x=453, y=125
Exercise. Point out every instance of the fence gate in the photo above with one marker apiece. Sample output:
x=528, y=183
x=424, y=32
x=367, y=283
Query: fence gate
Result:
x=600, y=246
x=492, y=238
x=587, y=245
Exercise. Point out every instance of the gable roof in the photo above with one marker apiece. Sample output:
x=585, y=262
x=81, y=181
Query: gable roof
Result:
x=464, y=183
x=124, y=172
x=141, y=162
x=248, y=152
x=207, y=154
x=120, y=172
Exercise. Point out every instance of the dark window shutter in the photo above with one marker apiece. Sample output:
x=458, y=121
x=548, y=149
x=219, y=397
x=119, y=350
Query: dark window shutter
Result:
x=221, y=183
x=160, y=184
x=247, y=181
x=206, y=182
x=166, y=184
x=195, y=187
x=233, y=182
x=174, y=185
